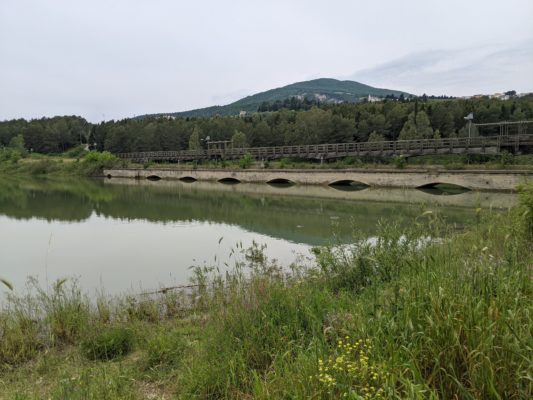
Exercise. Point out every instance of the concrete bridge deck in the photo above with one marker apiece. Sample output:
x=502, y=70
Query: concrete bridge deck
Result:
x=490, y=180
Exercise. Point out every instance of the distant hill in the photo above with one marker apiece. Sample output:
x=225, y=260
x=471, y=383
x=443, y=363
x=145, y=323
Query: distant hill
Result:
x=324, y=90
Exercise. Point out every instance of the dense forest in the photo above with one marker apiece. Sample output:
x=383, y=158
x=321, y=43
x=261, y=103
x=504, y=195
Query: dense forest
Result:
x=390, y=119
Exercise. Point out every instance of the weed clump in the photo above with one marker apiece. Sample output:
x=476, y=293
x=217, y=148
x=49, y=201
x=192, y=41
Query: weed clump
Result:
x=108, y=343
x=19, y=340
x=525, y=195
x=165, y=350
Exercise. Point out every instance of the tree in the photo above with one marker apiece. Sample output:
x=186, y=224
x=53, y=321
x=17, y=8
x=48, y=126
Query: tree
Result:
x=194, y=139
x=118, y=140
x=238, y=140
x=416, y=127
x=368, y=123
x=17, y=143
x=442, y=118
x=376, y=137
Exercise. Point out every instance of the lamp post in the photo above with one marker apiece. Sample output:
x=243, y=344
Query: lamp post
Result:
x=469, y=118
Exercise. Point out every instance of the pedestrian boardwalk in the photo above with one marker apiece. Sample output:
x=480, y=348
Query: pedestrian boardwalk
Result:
x=408, y=148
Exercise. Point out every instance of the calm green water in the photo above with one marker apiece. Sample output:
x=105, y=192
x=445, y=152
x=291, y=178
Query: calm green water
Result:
x=140, y=235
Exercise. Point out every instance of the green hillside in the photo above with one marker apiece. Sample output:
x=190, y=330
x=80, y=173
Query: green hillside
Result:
x=324, y=90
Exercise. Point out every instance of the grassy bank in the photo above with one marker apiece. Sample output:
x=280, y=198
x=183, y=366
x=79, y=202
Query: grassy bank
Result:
x=77, y=162
x=402, y=317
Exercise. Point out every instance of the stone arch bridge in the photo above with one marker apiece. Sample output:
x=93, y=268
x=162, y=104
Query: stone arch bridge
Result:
x=506, y=180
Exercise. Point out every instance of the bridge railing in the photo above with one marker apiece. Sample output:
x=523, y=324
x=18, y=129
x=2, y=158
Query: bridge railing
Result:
x=336, y=149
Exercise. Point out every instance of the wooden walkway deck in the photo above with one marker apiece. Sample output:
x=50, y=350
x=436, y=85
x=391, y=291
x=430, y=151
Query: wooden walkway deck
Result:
x=463, y=145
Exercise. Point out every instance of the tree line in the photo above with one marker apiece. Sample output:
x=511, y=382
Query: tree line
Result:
x=321, y=123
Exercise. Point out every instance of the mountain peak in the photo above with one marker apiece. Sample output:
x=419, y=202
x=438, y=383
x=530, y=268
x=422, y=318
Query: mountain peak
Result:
x=325, y=90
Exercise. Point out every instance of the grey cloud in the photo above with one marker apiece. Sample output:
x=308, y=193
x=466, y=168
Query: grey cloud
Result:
x=467, y=71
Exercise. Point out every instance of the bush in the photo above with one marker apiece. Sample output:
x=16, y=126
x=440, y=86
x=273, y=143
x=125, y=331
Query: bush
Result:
x=10, y=155
x=283, y=163
x=165, y=349
x=107, y=343
x=104, y=157
x=506, y=158
x=94, y=162
x=246, y=161
x=399, y=161
x=76, y=152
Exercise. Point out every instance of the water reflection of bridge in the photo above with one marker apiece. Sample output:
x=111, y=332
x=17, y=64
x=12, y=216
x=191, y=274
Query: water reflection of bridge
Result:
x=467, y=199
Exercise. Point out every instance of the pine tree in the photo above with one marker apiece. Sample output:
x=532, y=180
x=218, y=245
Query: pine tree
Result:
x=194, y=140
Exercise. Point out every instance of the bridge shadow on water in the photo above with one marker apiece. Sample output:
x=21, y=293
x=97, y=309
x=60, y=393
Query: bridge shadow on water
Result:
x=440, y=189
x=229, y=181
x=280, y=183
x=348, y=185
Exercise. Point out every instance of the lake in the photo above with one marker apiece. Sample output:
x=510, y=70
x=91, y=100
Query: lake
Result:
x=128, y=235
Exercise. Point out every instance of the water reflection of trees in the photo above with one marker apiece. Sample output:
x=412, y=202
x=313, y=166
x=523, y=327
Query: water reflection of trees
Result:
x=300, y=219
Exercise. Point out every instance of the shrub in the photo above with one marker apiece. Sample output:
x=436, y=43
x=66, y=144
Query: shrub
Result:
x=104, y=157
x=165, y=349
x=10, y=155
x=246, y=161
x=76, y=152
x=283, y=163
x=107, y=343
x=17, y=144
x=94, y=162
x=506, y=158
x=400, y=161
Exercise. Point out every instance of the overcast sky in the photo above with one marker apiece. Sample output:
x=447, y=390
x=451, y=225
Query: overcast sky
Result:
x=110, y=59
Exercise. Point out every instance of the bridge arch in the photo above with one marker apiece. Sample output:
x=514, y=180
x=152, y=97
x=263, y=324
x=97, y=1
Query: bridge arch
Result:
x=348, y=185
x=280, y=182
x=188, y=179
x=153, y=177
x=443, y=188
x=229, y=180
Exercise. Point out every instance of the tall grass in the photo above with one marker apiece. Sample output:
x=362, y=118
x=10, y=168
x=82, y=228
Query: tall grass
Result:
x=424, y=312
